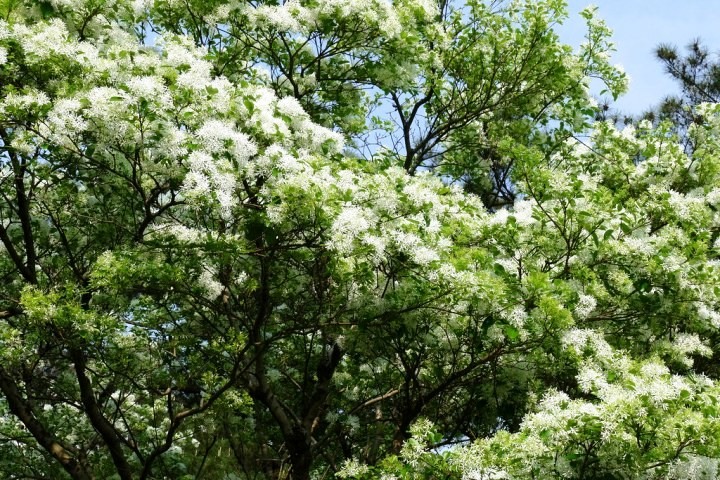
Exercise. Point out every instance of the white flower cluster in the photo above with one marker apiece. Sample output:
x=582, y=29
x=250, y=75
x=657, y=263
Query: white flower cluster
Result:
x=212, y=174
x=205, y=178
x=585, y=306
x=517, y=317
x=582, y=339
x=562, y=425
x=709, y=314
x=213, y=148
x=686, y=344
x=693, y=467
x=349, y=225
x=65, y=123
x=45, y=41
x=208, y=281
x=352, y=468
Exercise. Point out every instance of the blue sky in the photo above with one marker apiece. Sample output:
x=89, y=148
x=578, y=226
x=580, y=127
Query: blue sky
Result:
x=639, y=26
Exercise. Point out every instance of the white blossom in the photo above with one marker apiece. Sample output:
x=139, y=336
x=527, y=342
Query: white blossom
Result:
x=585, y=306
x=210, y=284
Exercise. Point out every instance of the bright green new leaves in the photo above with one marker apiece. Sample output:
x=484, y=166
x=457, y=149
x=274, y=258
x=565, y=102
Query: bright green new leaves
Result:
x=421, y=80
x=202, y=280
x=623, y=232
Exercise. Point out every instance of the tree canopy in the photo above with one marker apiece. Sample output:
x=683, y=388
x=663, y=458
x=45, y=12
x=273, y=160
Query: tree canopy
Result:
x=365, y=239
x=698, y=76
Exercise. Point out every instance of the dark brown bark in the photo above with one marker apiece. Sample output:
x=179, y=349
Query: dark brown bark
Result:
x=22, y=200
x=97, y=419
x=22, y=410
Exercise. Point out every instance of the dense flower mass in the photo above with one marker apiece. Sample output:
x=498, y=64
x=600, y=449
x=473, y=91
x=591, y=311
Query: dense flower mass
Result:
x=359, y=239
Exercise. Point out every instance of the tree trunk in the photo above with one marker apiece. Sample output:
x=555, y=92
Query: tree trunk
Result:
x=301, y=457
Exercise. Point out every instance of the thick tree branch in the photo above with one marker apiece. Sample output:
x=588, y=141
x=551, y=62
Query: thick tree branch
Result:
x=21, y=409
x=101, y=424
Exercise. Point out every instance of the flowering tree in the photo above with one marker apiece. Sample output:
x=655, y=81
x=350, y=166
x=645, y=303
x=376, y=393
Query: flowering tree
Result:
x=626, y=253
x=211, y=271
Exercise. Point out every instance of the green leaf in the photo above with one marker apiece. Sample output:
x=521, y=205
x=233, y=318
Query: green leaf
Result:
x=511, y=332
x=46, y=9
x=643, y=285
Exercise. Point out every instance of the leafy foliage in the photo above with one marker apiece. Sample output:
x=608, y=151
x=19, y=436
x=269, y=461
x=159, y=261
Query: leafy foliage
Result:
x=697, y=73
x=212, y=270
